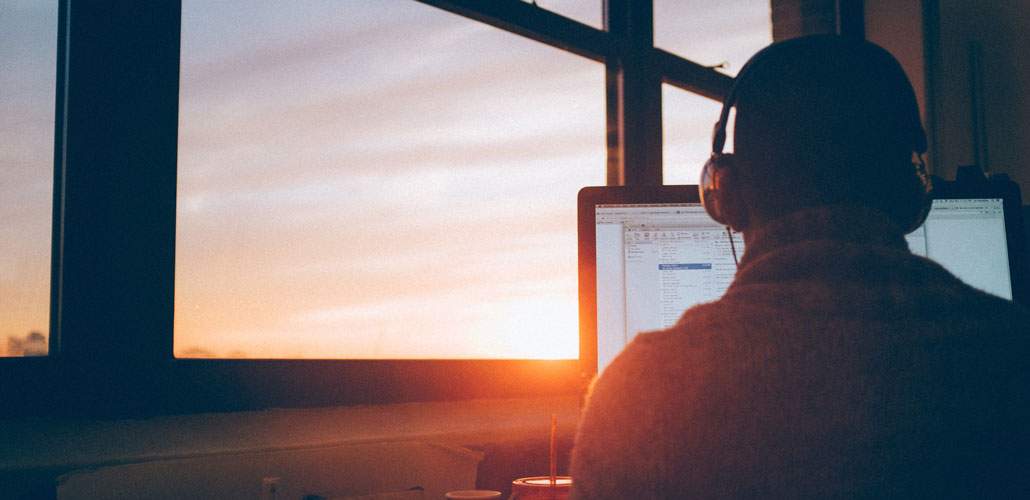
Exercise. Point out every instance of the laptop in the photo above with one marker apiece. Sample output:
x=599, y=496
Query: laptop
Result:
x=648, y=253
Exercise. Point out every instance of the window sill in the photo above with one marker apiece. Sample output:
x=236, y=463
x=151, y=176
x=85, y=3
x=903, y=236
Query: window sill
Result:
x=41, y=450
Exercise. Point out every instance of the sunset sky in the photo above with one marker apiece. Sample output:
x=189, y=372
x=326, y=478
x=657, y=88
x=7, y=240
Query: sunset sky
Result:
x=28, y=56
x=376, y=179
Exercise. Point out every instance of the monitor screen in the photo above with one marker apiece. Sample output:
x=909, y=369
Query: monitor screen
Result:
x=967, y=237
x=655, y=260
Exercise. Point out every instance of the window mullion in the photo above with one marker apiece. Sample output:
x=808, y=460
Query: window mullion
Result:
x=533, y=22
x=115, y=262
x=634, y=96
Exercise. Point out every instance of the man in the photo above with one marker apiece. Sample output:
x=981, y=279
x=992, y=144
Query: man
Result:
x=837, y=364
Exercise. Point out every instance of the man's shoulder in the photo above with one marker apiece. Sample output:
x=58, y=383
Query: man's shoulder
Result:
x=635, y=413
x=671, y=347
x=666, y=360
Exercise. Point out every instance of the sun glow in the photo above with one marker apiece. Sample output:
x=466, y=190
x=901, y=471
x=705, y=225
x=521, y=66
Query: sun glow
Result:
x=395, y=183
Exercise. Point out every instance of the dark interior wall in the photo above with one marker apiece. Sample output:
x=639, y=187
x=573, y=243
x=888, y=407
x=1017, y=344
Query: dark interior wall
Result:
x=897, y=25
x=965, y=60
x=980, y=81
x=793, y=18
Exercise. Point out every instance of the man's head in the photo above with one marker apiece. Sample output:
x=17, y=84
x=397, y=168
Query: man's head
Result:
x=821, y=120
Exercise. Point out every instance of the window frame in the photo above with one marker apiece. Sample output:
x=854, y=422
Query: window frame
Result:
x=113, y=257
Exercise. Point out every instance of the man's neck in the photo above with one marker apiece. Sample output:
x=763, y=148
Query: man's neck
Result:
x=833, y=222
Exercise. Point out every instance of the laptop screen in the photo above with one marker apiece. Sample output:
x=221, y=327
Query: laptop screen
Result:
x=655, y=260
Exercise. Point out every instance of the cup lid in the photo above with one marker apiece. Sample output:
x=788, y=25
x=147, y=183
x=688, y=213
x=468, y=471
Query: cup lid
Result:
x=472, y=494
x=543, y=482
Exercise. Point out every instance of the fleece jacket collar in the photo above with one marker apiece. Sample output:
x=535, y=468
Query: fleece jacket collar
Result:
x=835, y=243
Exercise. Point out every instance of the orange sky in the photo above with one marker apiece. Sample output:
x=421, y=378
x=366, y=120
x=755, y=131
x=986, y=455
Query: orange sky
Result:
x=28, y=55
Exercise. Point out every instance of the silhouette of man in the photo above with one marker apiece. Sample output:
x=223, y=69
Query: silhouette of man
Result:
x=837, y=364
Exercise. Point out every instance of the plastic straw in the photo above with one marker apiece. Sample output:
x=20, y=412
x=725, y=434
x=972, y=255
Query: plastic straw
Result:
x=554, y=451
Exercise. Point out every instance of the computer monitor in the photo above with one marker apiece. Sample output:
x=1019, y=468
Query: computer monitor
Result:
x=649, y=253
x=967, y=236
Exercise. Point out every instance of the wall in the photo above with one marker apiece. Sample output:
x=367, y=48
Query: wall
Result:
x=792, y=18
x=897, y=26
x=964, y=127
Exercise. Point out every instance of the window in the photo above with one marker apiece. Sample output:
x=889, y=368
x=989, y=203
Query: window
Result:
x=724, y=37
x=214, y=141
x=585, y=11
x=375, y=181
x=27, y=82
x=687, y=121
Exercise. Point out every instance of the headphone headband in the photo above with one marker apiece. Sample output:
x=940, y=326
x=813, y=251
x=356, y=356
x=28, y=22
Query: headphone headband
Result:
x=917, y=136
x=907, y=200
x=719, y=133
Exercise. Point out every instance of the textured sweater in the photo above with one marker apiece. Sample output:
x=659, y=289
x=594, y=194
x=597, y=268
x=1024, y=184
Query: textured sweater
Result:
x=836, y=365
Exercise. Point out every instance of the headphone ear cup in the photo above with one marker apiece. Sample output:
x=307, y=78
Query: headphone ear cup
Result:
x=718, y=191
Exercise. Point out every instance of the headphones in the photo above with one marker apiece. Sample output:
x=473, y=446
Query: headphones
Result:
x=719, y=184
